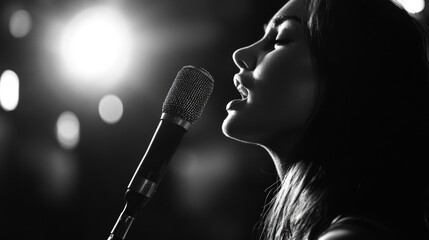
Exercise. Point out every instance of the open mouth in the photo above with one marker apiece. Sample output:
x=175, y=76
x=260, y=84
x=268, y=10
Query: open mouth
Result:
x=243, y=91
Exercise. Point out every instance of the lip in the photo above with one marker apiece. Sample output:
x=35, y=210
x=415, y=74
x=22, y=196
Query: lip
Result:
x=240, y=82
x=239, y=79
x=235, y=104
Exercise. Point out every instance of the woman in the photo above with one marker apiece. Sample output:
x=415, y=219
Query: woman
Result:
x=337, y=92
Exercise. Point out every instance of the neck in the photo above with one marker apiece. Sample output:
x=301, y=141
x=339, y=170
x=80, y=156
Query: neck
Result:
x=282, y=152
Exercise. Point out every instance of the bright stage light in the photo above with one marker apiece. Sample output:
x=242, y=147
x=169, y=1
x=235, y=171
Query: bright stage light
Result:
x=110, y=109
x=9, y=90
x=96, y=46
x=68, y=130
x=412, y=6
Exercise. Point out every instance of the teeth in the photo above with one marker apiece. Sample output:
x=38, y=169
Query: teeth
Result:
x=243, y=91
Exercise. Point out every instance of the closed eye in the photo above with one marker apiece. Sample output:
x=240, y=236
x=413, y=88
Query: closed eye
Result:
x=281, y=41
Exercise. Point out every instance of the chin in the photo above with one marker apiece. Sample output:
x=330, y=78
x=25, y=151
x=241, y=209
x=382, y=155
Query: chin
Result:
x=238, y=132
x=227, y=129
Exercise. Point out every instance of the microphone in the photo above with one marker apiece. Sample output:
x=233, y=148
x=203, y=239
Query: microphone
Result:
x=183, y=105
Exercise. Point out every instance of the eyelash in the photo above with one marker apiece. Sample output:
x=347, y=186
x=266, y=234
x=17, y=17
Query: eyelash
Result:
x=273, y=41
x=281, y=41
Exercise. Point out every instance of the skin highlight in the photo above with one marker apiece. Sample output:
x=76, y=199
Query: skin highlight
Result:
x=279, y=74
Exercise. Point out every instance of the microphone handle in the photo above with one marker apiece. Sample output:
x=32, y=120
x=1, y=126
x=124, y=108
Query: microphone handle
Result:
x=154, y=164
x=148, y=174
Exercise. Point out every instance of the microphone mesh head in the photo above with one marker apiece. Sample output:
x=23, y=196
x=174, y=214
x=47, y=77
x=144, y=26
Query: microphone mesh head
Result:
x=189, y=93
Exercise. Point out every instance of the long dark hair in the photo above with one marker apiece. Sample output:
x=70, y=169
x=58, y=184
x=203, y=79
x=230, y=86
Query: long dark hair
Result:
x=366, y=148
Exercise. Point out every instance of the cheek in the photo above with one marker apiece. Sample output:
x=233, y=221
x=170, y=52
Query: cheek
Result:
x=283, y=109
x=291, y=90
x=296, y=103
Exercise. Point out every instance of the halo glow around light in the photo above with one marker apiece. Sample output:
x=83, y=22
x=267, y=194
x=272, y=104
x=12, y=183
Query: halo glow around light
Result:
x=9, y=90
x=412, y=6
x=96, y=45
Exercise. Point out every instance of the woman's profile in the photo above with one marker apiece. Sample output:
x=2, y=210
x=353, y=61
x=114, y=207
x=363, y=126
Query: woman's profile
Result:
x=337, y=93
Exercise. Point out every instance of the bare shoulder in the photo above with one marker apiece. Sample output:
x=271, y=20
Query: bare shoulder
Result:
x=355, y=229
x=348, y=234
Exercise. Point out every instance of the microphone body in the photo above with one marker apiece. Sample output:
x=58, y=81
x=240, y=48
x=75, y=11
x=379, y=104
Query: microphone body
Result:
x=164, y=143
x=183, y=106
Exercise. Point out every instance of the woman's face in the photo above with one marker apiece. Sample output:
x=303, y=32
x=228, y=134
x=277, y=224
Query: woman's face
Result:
x=277, y=81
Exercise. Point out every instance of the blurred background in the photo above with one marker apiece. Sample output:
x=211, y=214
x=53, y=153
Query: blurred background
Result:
x=81, y=89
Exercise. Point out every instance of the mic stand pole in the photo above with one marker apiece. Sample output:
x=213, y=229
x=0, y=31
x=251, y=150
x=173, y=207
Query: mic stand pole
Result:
x=150, y=171
x=134, y=203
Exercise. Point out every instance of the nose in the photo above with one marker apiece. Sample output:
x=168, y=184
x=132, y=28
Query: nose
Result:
x=245, y=58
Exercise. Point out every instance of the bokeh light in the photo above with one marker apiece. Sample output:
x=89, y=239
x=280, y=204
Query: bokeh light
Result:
x=96, y=46
x=20, y=23
x=204, y=173
x=110, y=109
x=9, y=90
x=60, y=172
x=68, y=130
x=52, y=172
x=412, y=6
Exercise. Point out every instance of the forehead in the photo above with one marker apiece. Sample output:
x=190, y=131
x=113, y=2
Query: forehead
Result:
x=295, y=8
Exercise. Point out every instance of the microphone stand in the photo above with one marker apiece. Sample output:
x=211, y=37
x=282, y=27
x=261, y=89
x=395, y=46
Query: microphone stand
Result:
x=134, y=202
x=149, y=173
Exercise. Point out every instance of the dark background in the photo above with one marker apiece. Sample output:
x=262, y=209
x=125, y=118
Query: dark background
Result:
x=215, y=188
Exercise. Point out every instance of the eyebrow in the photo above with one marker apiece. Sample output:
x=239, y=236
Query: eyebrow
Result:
x=278, y=20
